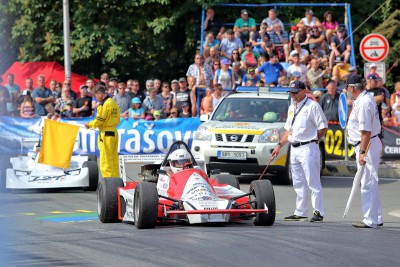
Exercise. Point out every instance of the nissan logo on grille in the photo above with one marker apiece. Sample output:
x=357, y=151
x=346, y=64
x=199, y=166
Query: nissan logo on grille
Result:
x=234, y=138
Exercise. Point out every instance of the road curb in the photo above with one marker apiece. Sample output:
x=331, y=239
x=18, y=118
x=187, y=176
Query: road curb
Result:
x=389, y=169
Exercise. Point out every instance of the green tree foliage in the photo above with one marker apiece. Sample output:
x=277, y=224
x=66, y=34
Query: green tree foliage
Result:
x=138, y=38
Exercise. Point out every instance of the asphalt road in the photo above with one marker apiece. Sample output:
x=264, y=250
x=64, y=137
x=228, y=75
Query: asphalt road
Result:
x=60, y=228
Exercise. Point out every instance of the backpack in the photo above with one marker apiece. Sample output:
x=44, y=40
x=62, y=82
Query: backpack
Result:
x=219, y=71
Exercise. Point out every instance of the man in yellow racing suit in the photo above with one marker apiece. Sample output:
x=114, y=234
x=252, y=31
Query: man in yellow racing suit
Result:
x=107, y=118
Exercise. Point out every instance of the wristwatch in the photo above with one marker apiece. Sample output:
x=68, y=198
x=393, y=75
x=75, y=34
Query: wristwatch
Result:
x=362, y=151
x=279, y=144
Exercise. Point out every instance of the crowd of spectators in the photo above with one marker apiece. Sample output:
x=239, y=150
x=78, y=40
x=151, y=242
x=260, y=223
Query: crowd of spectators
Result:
x=313, y=51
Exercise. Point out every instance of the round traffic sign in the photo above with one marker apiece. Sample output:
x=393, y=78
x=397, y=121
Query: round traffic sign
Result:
x=374, y=47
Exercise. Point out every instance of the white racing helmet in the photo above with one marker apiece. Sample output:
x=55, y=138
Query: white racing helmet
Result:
x=180, y=159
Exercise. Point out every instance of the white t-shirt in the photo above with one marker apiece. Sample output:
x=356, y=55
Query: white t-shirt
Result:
x=302, y=69
x=308, y=121
x=363, y=117
x=225, y=79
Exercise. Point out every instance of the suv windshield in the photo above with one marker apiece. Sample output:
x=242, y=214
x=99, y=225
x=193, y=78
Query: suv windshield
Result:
x=252, y=110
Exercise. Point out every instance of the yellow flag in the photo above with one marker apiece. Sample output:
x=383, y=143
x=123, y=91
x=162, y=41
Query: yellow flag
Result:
x=57, y=143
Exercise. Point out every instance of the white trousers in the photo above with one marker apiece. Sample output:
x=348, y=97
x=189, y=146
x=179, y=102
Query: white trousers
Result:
x=305, y=164
x=370, y=202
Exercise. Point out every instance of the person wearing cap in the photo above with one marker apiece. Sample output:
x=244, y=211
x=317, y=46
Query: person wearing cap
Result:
x=340, y=71
x=249, y=57
x=260, y=38
x=272, y=69
x=297, y=66
x=136, y=111
x=340, y=46
x=107, y=118
x=157, y=115
x=319, y=55
x=213, y=24
x=42, y=96
x=305, y=126
x=309, y=20
x=27, y=108
x=271, y=20
x=251, y=76
x=174, y=86
x=303, y=53
x=83, y=104
x=185, y=111
x=230, y=43
x=363, y=128
x=224, y=75
x=202, y=72
x=244, y=26
x=184, y=95
x=122, y=99
x=378, y=95
x=372, y=70
x=151, y=103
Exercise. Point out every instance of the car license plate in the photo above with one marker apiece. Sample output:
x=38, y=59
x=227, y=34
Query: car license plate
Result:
x=232, y=155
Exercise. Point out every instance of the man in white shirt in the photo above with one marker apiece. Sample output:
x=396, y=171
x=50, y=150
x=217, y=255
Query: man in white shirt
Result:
x=363, y=129
x=306, y=124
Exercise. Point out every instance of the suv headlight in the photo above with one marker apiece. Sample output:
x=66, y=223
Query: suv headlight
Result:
x=269, y=136
x=202, y=134
x=21, y=173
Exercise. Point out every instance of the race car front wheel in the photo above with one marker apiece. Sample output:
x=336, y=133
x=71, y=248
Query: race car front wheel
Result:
x=262, y=193
x=107, y=199
x=146, y=205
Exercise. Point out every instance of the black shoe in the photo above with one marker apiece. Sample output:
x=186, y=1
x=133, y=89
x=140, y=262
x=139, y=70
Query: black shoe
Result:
x=317, y=217
x=296, y=218
x=380, y=224
x=361, y=225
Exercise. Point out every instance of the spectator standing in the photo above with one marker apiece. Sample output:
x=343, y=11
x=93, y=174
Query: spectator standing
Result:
x=157, y=85
x=202, y=72
x=363, y=128
x=306, y=124
x=206, y=106
x=229, y=44
x=213, y=24
x=244, y=26
x=271, y=69
x=280, y=40
x=372, y=70
x=151, y=103
x=167, y=98
x=271, y=20
x=174, y=86
x=122, y=99
x=4, y=98
x=149, y=84
x=136, y=91
x=14, y=92
x=42, y=96
x=90, y=86
x=64, y=104
x=184, y=95
x=297, y=66
x=72, y=94
x=27, y=108
x=238, y=73
x=378, y=95
x=330, y=102
x=29, y=85
x=395, y=97
x=83, y=104
x=54, y=90
x=340, y=46
x=224, y=75
x=330, y=25
x=217, y=95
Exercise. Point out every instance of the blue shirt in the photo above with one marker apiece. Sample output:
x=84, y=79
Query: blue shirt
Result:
x=43, y=93
x=271, y=71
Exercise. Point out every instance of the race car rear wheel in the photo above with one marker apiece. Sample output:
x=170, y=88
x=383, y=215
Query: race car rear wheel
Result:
x=262, y=193
x=232, y=180
x=107, y=199
x=93, y=175
x=146, y=205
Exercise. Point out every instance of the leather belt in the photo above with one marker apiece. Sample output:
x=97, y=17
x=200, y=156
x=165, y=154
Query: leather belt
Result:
x=359, y=142
x=304, y=143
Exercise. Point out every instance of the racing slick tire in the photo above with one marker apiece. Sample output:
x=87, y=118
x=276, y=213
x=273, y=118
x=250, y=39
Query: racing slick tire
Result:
x=92, y=157
x=145, y=205
x=107, y=199
x=232, y=180
x=93, y=175
x=262, y=192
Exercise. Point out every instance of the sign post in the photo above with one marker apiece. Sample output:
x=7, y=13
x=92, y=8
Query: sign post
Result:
x=343, y=113
x=374, y=47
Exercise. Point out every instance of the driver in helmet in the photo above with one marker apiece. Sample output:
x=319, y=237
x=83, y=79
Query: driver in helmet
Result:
x=179, y=160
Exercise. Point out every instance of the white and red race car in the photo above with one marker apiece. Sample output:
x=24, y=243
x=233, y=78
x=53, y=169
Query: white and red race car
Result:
x=188, y=196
